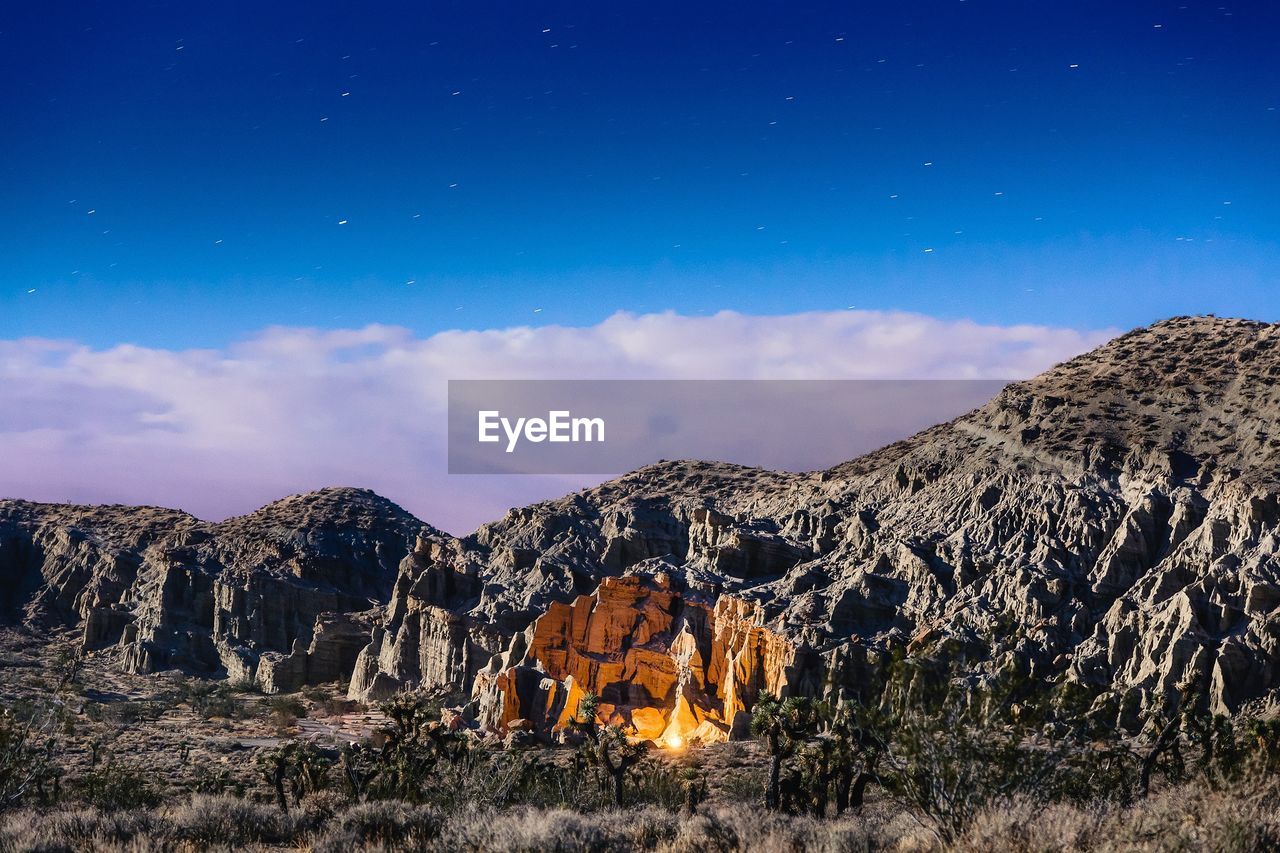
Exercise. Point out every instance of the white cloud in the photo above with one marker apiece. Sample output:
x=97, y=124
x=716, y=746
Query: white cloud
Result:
x=219, y=432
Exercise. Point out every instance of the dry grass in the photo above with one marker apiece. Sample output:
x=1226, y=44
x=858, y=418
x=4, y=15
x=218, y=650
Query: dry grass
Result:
x=1240, y=819
x=1184, y=818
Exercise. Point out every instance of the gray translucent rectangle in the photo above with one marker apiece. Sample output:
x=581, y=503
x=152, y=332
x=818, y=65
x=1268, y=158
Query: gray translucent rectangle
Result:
x=795, y=425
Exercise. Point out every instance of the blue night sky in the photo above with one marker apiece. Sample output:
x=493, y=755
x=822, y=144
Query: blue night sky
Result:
x=182, y=174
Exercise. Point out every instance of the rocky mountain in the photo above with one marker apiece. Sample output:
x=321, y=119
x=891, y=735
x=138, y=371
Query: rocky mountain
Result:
x=278, y=597
x=1112, y=522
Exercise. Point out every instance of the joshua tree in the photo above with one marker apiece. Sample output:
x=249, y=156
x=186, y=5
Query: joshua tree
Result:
x=360, y=766
x=784, y=726
x=585, y=720
x=67, y=664
x=27, y=766
x=417, y=746
x=309, y=769
x=617, y=756
x=695, y=788
x=1166, y=741
x=274, y=767
x=297, y=764
x=409, y=713
x=607, y=747
x=855, y=744
x=414, y=744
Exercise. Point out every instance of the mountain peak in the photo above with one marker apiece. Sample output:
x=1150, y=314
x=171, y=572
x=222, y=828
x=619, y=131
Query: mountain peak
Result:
x=1211, y=348
x=341, y=506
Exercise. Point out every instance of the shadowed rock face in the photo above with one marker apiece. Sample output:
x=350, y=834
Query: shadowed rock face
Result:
x=270, y=597
x=1113, y=521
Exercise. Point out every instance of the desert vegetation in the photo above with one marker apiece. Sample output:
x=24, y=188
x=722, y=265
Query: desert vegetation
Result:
x=930, y=759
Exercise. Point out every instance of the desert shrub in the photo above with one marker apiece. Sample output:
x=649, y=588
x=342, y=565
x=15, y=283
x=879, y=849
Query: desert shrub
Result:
x=1239, y=818
x=752, y=828
x=646, y=827
x=504, y=778
x=125, y=713
x=840, y=836
x=656, y=782
x=244, y=686
x=115, y=788
x=208, y=820
x=951, y=746
x=287, y=706
x=1021, y=823
x=28, y=772
x=333, y=706
x=209, y=779
x=75, y=829
x=210, y=700
x=526, y=830
x=297, y=767
x=742, y=788
x=316, y=692
x=321, y=806
x=734, y=752
x=738, y=828
x=385, y=822
x=285, y=710
x=951, y=766
x=67, y=663
x=25, y=710
x=328, y=704
x=706, y=833
x=1194, y=816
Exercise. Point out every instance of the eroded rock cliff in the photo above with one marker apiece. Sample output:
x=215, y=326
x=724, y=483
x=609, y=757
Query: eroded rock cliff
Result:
x=1112, y=522
x=273, y=597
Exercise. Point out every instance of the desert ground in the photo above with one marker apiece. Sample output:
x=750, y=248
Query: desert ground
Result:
x=171, y=762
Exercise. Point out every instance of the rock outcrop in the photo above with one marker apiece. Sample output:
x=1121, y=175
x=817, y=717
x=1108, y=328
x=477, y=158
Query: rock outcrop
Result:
x=1112, y=521
x=269, y=597
x=668, y=663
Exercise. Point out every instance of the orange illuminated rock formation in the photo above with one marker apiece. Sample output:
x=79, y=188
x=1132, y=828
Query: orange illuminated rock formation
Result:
x=668, y=666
